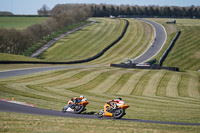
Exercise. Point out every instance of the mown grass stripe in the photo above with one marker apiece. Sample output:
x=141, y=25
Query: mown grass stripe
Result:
x=183, y=85
x=93, y=83
x=25, y=94
x=129, y=85
x=193, y=86
x=139, y=87
x=81, y=81
x=42, y=76
x=91, y=42
x=77, y=76
x=119, y=83
x=104, y=86
x=161, y=90
x=125, y=45
x=172, y=86
x=153, y=83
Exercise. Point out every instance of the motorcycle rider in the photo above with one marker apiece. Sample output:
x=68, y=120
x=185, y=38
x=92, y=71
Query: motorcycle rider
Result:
x=117, y=102
x=75, y=100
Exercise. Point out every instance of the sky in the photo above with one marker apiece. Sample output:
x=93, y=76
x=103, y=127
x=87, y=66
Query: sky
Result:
x=25, y=7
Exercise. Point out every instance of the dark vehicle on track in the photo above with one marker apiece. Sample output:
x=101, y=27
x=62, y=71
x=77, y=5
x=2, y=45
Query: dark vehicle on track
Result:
x=76, y=108
x=112, y=110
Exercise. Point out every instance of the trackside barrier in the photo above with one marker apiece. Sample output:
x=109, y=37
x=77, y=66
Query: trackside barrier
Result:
x=162, y=59
x=133, y=66
x=73, y=62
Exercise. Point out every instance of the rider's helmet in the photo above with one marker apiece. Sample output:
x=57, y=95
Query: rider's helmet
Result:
x=85, y=99
x=82, y=96
x=119, y=98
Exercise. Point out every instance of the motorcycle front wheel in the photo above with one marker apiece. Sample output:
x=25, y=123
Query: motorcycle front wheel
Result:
x=119, y=113
x=79, y=108
x=64, y=110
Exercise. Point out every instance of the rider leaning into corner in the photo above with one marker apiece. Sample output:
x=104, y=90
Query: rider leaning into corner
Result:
x=117, y=102
x=76, y=100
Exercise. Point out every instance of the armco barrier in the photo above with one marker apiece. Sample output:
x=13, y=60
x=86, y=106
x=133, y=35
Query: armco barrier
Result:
x=76, y=61
x=162, y=59
x=133, y=66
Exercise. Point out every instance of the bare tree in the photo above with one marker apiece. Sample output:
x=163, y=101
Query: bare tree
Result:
x=44, y=10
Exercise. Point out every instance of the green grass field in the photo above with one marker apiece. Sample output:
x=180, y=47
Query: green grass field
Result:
x=173, y=96
x=152, y=94
x=91, y=40
x=19, y=22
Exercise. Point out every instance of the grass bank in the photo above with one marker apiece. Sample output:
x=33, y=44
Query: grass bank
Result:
x=151, y=94
x=20, y=22
x=185, y=53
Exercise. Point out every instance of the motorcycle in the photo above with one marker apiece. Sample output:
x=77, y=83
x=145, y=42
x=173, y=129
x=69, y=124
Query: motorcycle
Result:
x=112, y=110
x=75, y=108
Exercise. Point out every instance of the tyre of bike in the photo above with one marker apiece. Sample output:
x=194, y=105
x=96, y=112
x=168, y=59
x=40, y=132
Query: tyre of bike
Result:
x=63, y=109
x=100, y=114
x=119, y=113
x=79, y=108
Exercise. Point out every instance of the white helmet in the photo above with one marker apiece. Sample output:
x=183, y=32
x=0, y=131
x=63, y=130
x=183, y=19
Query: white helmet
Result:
x=81, y=96
x=85, y=99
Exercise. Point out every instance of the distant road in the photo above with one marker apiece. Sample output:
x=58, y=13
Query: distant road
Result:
x=156, y=46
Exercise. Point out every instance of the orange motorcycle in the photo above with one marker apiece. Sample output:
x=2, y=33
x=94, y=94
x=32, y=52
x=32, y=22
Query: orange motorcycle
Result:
x=75, y=108
x=112, y=110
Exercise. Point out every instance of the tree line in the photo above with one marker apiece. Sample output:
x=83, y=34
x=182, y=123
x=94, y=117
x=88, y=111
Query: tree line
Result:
x=17, y=41
x=5, y=13
x=103, y=10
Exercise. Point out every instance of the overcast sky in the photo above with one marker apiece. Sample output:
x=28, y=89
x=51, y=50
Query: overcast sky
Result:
x=31, y=6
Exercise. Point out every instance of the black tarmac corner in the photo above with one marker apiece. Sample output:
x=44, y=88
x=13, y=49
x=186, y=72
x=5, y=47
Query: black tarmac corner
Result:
x=17, y=108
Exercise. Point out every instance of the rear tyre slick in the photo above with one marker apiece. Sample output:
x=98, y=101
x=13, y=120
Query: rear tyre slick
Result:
x=99, y=114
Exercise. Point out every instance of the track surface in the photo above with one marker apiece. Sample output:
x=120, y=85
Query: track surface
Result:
x=12, y=107
x=156, y=46
x=13, y=73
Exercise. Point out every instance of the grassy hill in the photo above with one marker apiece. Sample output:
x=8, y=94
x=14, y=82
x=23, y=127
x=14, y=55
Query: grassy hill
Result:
x=86, y=42
x=152, y=94
x=91, y=40
x=185, y=53
x=19, y=22
x=12, y=57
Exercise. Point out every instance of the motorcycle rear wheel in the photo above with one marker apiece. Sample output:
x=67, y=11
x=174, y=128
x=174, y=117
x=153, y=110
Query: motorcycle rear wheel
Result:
x=99, y=114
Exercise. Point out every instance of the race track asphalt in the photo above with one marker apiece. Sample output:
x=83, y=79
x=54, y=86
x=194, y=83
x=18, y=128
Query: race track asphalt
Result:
x=157, y=44
x=13, y=73
x=18, y=108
